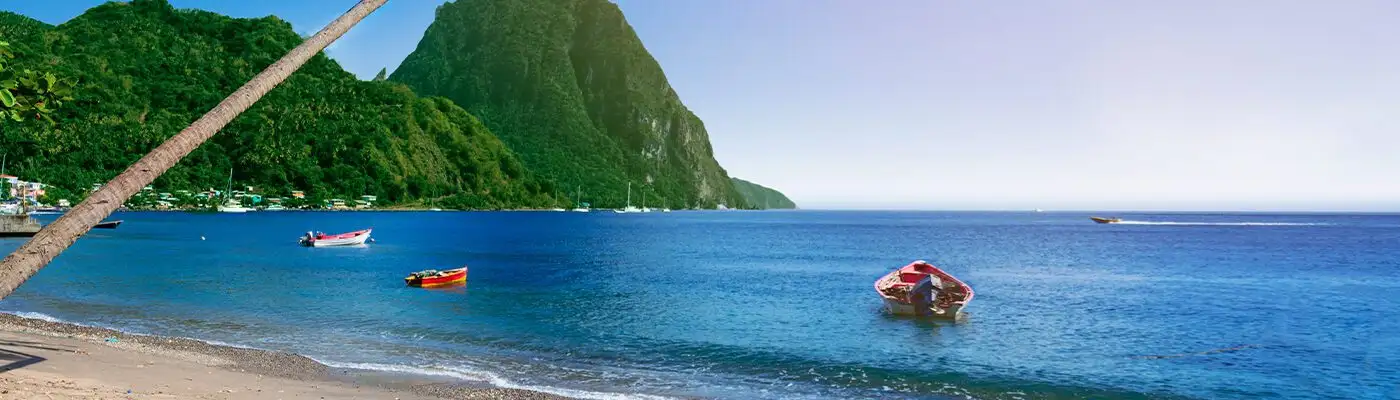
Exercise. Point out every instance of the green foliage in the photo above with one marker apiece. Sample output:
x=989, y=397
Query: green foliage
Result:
x=568, y=85
x=382, y=75
x=762, y=197
x=146, y=70
x=27, y=94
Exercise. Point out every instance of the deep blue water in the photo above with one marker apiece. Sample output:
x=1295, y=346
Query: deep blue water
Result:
x=754, y=305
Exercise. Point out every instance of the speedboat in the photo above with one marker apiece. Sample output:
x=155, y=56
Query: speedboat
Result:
x=922, y=289
x=320, y=239
x=1106, y=220
x=435, y=278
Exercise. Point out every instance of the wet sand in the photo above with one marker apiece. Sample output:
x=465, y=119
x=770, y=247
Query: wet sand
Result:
x=49, y=360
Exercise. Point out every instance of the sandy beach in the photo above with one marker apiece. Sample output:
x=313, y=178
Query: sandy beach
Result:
x=48, y=360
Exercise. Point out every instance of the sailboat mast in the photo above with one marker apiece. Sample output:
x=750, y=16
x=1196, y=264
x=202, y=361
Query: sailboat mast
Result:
x=629, y=194
x=229, y=193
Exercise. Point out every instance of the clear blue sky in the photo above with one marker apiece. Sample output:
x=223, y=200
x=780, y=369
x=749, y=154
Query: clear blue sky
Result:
x=1019, y=104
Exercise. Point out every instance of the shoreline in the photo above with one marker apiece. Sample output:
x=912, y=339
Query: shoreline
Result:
x=62, y=360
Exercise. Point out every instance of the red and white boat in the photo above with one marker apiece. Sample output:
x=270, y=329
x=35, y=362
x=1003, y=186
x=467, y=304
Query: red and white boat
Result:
x=924, y=290
x=435, y=278
x=320, y=239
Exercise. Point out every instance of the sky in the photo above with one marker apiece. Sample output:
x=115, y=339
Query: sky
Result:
x=1017, y=104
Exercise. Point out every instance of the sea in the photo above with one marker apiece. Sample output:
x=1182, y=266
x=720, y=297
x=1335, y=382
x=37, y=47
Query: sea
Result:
x=773, y=304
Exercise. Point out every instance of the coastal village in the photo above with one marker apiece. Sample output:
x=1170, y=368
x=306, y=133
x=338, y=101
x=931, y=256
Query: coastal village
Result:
x=19, y=195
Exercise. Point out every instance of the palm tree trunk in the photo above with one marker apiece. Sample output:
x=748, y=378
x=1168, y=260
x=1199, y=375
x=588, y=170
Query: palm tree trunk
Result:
x=56, y=237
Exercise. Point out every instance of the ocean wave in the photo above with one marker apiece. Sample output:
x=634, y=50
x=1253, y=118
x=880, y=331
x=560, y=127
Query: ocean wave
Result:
x=477, y=375
x=1185, y=223
x=38, y=316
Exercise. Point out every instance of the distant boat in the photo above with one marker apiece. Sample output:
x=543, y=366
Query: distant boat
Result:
x=922, y=289
x=231, y=205
x=1106, y=220
x=319, y=239
x=580, y=206
x=434, y=209
x=275, y=207
x=107, y=224
x=434, y=278
x=628, y=208
x=1039, y=210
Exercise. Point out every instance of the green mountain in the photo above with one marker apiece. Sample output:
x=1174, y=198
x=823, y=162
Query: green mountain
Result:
x=762, y=197
x=568, y=85
x=147, y=70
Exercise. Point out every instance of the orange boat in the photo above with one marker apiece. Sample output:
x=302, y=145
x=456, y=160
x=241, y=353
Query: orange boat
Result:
x=924, y=290
x=435, y=278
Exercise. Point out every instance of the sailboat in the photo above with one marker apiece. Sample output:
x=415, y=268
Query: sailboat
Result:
x=231, y=205
x=629, y=208
x=644, y=203
x=578, y=200
x=555, y=197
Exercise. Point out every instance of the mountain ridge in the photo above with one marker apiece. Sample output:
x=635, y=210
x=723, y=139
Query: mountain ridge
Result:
x=570, y=87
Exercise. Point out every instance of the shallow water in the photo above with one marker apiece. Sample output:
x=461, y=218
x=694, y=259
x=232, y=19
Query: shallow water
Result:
x=774, y=304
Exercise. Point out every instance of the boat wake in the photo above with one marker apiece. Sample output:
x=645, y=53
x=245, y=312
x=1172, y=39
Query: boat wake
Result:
x=493, y=379
x=1184, y=223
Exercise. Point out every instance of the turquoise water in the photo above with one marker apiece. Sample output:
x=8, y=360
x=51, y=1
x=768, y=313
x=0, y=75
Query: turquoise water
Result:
x=759, y=305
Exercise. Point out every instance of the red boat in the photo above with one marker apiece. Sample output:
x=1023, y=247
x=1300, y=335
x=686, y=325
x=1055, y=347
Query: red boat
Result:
x=924, y=290
x=435, y=278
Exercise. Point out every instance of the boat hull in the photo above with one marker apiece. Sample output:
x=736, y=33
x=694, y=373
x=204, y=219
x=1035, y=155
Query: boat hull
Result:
x=897, y=307
x=952, y=296
x=452, y=277
x=358, y=238
x=107, y=224
x=1105, y=220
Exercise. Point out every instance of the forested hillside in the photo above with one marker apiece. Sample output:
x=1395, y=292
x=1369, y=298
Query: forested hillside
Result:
x=569, y=86
x=146, y=70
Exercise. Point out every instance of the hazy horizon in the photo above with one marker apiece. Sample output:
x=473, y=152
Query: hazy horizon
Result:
x=912, y=104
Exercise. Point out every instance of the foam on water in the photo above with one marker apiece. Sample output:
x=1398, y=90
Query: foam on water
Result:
x=1188, y=223
x=38, y=316
x=493, y=379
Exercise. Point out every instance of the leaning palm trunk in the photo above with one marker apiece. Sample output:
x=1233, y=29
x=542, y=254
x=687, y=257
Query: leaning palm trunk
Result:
x=54, y=238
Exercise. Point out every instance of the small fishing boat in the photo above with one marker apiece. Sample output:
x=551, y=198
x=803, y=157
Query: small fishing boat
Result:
x=924, y=290
x=435, y=278
x=1106, y=220
x=107, y=224
x=320, y=239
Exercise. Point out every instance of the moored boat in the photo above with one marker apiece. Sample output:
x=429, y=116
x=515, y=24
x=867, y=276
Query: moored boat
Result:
x=924, y=290
x=435, y=278
x=320, y=239
x=1106, y=220
x=107, y=224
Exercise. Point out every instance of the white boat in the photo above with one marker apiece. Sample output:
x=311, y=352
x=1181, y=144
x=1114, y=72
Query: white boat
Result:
x=580, y=206
x=232, y=206
x=629, y=208
x=275, y=207
x=320, y=239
